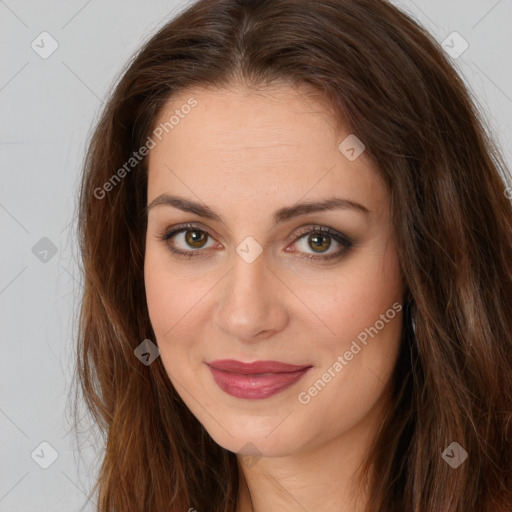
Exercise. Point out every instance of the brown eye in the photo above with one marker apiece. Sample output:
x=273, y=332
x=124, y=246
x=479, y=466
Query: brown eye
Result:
x=319, y=243
x=195, y=239
x=319, y=239
x=187, y=240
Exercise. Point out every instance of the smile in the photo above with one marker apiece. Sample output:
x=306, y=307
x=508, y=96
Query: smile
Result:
x=257, y=380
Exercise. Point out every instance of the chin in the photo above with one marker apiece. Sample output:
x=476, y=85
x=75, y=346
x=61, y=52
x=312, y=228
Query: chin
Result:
x=256, y=436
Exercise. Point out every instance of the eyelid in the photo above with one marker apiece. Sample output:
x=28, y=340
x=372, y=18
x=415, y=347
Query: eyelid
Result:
x=340, y=238
x=305, y=230
x=181, y=228
x=343, y=240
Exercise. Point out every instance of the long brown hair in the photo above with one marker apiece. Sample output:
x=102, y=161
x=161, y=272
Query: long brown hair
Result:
x=387, y=80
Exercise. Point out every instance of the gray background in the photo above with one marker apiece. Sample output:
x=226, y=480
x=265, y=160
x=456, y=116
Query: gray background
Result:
x=48, y=107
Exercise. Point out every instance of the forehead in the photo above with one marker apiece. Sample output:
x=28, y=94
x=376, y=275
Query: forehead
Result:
x=281, y=142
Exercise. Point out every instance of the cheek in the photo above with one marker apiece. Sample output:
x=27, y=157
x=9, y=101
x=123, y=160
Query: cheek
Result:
x=366, y=315
x=166, y=293
x=177, y=301
x=167, y=299
x=354, y=300
x=362, y=309
x=159, y=298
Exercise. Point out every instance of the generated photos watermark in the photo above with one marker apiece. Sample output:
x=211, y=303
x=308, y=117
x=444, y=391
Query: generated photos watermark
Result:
x=304, y=397
x=143, y=151
x=454, y=455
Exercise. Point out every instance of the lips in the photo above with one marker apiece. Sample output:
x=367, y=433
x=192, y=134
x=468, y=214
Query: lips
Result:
x=257, y=380
x=258, y=367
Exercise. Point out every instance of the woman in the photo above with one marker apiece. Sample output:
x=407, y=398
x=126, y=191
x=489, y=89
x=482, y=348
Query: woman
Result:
x=297, y=252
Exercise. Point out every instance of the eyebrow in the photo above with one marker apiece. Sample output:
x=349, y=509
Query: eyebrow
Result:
x=281, y=215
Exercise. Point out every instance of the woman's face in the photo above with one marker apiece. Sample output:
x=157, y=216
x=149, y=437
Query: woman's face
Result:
x=265, y=275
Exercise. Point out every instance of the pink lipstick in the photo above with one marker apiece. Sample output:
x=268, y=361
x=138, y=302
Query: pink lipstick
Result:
x=257, y=380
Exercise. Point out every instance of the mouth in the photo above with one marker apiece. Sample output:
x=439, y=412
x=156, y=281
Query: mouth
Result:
x=257, y=380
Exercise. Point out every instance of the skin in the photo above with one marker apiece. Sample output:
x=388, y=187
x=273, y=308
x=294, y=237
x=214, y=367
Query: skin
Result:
x=246, y=154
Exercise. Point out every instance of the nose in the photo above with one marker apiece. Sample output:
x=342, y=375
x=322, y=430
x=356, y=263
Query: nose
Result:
x=252, y=302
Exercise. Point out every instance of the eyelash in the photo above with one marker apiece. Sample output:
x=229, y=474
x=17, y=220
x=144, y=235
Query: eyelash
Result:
x=343, y=240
